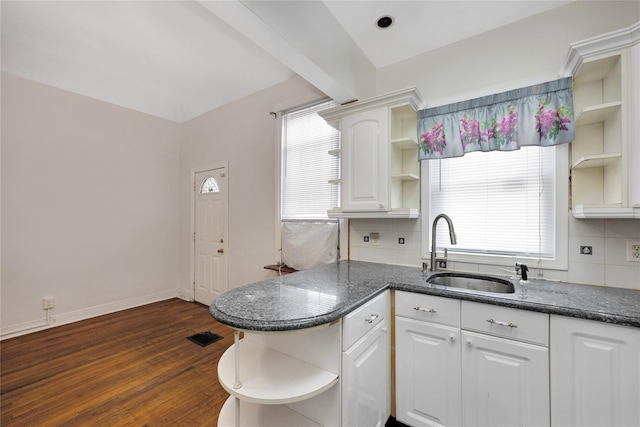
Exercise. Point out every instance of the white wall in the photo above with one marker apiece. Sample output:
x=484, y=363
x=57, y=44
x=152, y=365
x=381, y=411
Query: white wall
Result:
x=520, y=54
x=242, y=133
x=527, y=52
x=90, y=201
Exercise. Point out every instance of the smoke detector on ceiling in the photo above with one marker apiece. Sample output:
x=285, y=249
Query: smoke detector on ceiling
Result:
x=385, y=21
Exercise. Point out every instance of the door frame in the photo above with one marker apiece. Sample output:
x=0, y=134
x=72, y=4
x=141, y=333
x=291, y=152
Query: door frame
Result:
x=192, y=231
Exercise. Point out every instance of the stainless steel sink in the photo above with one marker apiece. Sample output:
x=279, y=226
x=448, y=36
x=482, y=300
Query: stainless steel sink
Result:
x=472, y=282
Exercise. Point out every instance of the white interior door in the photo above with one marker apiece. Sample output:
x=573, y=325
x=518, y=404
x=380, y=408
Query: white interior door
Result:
x=210, y=234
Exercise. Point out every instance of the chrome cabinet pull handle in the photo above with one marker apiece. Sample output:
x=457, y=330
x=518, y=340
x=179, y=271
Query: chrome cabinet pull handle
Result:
x=371, y=318
x=501, y=323
x=428, y=310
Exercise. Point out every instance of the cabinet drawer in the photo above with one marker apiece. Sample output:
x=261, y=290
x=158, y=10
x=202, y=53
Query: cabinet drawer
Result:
x=506, y=322
x=430, y=308
x=364, y=319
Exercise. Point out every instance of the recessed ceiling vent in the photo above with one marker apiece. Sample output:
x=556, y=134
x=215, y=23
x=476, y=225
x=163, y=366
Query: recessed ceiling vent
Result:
x=385, y=21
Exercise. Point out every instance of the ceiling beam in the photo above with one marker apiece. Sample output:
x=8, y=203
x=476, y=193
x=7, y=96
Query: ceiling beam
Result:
x=305, y=37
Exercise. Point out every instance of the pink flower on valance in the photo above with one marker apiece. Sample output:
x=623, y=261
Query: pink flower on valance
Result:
x=433, y=140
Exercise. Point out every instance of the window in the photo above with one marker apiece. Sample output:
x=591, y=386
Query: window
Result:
x=307, y=168
x=209, y=185
x=504, y=205
x=309, y=171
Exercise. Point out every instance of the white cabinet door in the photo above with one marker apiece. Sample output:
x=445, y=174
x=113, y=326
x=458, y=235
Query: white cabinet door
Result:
x=595, y=373
x=427, y=373
x=364, y=163
x=634, y=129
x=504, y=382
x=366, y=380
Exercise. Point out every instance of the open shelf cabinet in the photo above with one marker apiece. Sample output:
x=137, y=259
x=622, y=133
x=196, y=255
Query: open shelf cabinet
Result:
x=599, y=173
x=274, y=380
x=403, y=157
x=604, y=154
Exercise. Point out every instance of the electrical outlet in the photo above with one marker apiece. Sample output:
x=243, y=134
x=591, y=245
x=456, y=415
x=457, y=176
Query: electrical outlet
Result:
x=47, y=303
x=633, y=250
x=375, y=238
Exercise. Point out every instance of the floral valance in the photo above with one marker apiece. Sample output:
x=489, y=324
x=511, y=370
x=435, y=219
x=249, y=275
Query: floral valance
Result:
x=534, y=115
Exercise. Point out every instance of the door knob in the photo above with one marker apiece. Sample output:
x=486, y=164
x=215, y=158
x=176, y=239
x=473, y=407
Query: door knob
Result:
x=220, y=251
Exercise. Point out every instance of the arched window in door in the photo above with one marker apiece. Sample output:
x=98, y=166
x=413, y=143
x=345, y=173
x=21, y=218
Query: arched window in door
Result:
x=210, y=185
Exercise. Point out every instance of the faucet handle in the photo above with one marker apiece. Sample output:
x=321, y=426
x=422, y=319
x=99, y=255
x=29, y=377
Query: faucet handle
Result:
x=522, y=270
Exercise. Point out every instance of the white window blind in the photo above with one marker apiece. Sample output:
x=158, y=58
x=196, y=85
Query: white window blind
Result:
x=307, y=166
x=501, y=203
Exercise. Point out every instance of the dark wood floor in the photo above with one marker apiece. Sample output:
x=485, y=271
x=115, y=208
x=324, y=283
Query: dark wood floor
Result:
x=131, y=368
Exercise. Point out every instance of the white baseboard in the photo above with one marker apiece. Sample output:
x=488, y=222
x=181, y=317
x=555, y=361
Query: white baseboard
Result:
x=83, y=314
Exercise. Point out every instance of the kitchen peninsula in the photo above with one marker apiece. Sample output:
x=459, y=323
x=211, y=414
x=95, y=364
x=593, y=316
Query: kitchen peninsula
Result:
x=318, y=317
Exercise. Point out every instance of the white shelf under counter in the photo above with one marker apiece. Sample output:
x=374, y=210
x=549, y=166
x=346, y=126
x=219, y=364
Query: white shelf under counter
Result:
x=254, y=414
x=271, y=377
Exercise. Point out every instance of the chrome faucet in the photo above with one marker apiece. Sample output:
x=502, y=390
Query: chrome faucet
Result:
x=452, y=237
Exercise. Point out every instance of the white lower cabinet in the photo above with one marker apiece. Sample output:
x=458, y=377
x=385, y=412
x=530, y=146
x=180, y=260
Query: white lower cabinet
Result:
x=427, y=373
x=366, y=381
x=504, y=382
x=464, y=363
x=595, y=373
x=366, y=365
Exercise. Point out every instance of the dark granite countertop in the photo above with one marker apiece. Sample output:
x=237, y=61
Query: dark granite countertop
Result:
x=321, y=295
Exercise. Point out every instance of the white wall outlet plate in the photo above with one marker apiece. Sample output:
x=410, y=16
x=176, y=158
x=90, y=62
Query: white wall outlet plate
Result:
x=47, y=303
x=633, y=250
x=375, y=238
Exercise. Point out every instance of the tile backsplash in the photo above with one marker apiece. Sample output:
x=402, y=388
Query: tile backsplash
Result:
x=400, y=243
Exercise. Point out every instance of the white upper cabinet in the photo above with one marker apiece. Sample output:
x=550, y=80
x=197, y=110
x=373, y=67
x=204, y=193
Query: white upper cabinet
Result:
x=364, y=166
x=604, y=155
x=379, y=170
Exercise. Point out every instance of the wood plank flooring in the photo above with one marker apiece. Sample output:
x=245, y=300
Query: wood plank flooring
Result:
x=131, y=368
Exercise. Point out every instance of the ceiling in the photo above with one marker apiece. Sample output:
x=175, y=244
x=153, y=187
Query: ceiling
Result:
x=179, y=59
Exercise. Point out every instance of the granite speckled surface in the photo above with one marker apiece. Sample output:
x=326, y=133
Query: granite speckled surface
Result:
x=321, y=295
